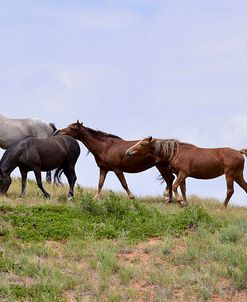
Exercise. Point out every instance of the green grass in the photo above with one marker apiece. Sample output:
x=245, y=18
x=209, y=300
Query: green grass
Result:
x=115, y=249
x=111, y=218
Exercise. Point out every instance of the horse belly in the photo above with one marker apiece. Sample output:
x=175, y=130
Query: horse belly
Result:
x=45, y=158
x=206, y=170
x=126, y=164
x=52, y=161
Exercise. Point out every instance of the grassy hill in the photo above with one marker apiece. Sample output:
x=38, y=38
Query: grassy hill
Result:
x=114, y=249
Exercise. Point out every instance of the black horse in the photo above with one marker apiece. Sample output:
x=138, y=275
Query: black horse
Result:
x=35, y=154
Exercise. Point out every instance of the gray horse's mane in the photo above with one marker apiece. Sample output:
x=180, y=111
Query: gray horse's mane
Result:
x=166, y=147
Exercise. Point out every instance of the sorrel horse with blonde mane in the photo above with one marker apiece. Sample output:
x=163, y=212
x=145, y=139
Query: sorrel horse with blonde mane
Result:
x=109, y=152
x=187, y=160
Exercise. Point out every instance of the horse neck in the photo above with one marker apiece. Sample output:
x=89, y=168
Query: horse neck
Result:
x=94, y=143
x=9, y=162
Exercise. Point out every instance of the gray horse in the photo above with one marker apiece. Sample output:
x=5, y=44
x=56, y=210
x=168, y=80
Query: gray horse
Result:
x=14, y=130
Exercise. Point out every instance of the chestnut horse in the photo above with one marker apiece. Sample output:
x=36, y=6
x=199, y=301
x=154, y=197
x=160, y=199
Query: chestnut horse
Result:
x=109, y=152
x=187, y=160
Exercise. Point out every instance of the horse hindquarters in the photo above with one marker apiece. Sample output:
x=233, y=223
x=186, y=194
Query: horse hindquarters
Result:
x=236, y=174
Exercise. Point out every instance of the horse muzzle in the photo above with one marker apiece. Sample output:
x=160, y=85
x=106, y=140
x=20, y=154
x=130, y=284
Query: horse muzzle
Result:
x=58, y=132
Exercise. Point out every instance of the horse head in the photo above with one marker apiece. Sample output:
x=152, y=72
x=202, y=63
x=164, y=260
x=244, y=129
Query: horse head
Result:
x=72, y=129
x=5, y=182
x=142, y=147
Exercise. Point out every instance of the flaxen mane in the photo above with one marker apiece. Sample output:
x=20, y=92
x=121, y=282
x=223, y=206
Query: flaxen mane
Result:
x=168, y=148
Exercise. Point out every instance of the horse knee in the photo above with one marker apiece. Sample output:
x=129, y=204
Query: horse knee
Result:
x=230, y=192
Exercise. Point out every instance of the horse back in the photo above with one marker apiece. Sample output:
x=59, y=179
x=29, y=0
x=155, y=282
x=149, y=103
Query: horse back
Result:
x=206, y=163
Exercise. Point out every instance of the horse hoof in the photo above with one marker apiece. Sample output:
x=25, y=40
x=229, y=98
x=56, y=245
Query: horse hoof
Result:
x=167, y=200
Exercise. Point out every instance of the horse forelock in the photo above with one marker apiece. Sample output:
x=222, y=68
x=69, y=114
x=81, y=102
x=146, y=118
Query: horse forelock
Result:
x=167, y=148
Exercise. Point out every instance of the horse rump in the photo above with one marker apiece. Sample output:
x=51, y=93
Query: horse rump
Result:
x=243, y=151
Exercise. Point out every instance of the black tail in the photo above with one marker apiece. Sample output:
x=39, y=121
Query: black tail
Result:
x=54, y=128
x=160, y=178
x=57, y=177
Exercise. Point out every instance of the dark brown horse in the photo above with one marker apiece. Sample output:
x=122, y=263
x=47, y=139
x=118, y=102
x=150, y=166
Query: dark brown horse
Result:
x=40, y=154
x=187, y=160
x=110, y=155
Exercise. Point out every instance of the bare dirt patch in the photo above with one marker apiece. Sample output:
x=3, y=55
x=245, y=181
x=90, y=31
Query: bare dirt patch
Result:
x=141, y=256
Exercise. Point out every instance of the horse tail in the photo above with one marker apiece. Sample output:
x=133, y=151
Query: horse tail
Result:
x=243, y=151
x=57, y=176
x=160, y=178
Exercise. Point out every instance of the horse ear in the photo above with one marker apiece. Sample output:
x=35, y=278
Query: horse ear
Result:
x=78, y=123
x=150, y=139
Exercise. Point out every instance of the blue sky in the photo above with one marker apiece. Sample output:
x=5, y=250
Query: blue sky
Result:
x=171, y=69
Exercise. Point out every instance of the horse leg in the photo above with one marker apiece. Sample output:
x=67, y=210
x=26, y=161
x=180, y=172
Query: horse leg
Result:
x=48, y=177
x=168, y=191
x=183, y=190
x=230, y=189
x=37, y=174
x=168, y=178
x=102, y=175
x=241, y=182
x=23, y=182
x=71, y=176
x=180, y=180
x=121, y=178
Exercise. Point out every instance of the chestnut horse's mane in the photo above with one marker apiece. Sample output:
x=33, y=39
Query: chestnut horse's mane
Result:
x=99, y=133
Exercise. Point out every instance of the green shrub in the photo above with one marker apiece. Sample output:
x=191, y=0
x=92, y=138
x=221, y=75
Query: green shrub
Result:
x=231, y=233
